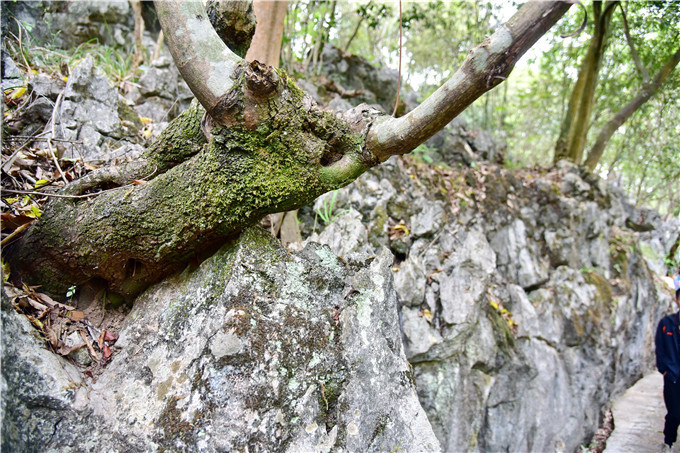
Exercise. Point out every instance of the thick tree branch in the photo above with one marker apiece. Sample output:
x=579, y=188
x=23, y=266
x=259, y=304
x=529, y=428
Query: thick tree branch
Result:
x=646, y=92
x=486, y=66
x=205, y=62
x=234, y=22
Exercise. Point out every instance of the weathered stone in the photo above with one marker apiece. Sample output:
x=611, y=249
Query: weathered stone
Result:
x=429, y=220
x=410, y=282
x=256, y=349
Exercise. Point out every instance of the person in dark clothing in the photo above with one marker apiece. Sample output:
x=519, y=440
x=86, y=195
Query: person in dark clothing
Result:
x=668, y=363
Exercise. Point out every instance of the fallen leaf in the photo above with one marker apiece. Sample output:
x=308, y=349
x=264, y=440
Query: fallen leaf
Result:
x=65, y=350
x=41, y=182
x=138, y=182
x=10, y=221
x=110, y=336
x=93, y=353
x=17, y=92
x=77, y=315
x=107, y=352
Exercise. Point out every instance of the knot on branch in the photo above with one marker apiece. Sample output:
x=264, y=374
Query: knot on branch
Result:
x=261, y=80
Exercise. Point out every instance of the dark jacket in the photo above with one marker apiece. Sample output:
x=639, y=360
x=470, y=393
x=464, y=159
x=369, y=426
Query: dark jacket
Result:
x=668, y=347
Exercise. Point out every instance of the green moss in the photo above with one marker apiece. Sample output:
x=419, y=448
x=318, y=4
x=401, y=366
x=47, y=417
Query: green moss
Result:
x=621, y=245
x=179, y=141
x=602, y=287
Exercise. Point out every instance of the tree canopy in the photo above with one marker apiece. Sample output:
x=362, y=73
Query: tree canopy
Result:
x=529, y=109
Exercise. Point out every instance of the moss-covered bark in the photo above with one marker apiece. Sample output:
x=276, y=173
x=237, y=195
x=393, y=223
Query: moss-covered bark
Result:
x=279, y=155
x=576, y=122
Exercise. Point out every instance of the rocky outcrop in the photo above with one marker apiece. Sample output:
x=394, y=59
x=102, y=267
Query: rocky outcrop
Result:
x=527, y=301
x=524, y=300
x=257, y=349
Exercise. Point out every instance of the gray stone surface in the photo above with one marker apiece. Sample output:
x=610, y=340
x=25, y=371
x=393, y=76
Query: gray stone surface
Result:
x=257, y=349
x=90, y=114
x=535, y=310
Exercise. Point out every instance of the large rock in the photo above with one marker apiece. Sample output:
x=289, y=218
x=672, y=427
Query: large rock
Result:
x=528, y=310
x=90, y=115
x=257, y=349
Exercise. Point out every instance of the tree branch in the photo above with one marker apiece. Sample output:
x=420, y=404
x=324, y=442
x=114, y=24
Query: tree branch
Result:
x=486, y=66
x=646, y=92
x=633, y=53
x=205, y=62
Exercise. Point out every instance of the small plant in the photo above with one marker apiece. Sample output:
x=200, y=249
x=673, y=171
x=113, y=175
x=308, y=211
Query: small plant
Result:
x=423, y=153
x=327, y=207
x=71, y=291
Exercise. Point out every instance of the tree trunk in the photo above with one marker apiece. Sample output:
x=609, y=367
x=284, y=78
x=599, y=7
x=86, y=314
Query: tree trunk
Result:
x=256, y=145
x=646, y=92
x=266, y=45
x=572, y=140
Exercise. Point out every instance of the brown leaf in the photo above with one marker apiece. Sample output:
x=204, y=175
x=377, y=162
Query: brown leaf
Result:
x=110, y=336
x=65, y=350
x=37, y=305
x=52, y=333
x=52, y=303
x=10, y=221
x=93, y=353
x=107, y=352
x=100, y=340
x=138, y=182
x=77, y=315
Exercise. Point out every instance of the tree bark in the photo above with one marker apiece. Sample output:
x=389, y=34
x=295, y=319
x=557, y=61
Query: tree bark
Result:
x=266, y=45
x=256, y=145
x=572, y=140
x=646, y=92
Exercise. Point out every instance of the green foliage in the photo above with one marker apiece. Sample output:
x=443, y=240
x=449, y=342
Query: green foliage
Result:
x=71, y=291
x=327, y=208
x=422, y=153
x=114, y=61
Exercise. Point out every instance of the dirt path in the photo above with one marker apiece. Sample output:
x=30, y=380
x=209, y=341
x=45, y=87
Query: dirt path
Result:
x=638, y=418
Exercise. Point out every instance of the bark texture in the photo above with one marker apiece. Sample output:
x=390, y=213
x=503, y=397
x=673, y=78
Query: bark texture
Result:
x=266, y=45
x=234, y=22
x=572, y=140
x=256, y=145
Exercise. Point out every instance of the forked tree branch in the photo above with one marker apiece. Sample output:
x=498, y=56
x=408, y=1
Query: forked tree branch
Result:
x=485, y=67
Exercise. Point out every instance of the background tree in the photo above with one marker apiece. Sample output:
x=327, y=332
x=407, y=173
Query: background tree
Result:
x=575, y=124
x=255, y=145
x=266, y=44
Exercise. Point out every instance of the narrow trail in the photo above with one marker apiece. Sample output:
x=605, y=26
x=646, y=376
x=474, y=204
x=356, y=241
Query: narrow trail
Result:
x=639, y=417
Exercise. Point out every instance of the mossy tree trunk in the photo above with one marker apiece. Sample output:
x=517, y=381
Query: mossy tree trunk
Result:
x=255, y=145
x=575, y=124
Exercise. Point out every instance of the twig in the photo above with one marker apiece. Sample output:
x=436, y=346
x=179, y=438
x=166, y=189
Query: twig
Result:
x=38, y=137
x=396, y=104
x=583, y=25
x=49, y=141
x=56, y=195
x=8, y=163
x=14, y=233
x=21, y=48
x=93, y=353
x=159, y=45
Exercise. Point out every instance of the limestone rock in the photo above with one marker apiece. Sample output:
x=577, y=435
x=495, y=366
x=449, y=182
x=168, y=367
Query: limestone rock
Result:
x=257, y=349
